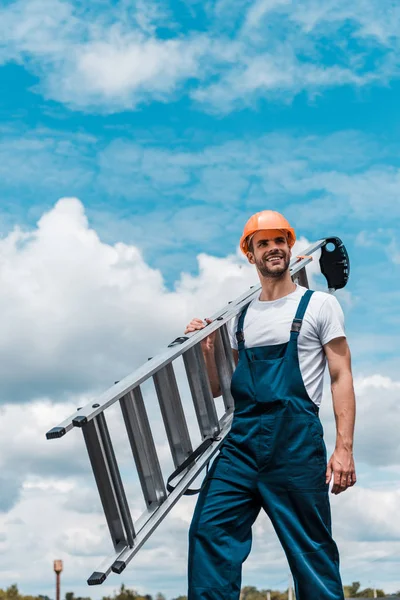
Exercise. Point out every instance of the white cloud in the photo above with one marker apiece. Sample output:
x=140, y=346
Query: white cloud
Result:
x=277, y=75
x=280, y=50
x=128, y=70
x=74, y=308
x=111, y=62
x=94, y=59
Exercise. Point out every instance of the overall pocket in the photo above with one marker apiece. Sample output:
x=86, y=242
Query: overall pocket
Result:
x=305, y=454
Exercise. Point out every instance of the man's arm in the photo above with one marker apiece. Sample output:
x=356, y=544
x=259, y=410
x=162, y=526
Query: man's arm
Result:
x=341, y=463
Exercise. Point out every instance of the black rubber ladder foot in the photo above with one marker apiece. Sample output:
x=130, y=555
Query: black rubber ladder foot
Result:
x=56, y=432
x=118, y=566
x=96, y=578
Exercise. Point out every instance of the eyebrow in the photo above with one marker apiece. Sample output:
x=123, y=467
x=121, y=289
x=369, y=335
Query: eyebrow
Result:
x=278, y=238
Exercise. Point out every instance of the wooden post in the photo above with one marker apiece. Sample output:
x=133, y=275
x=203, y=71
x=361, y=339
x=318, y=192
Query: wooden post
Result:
x=290, y=589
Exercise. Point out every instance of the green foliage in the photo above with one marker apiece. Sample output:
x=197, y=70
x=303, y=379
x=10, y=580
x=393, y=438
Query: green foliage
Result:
x=248, y=593
x=252, y=593
x=127, y=594
x=12, y=593
x=354, y=591
x=71, y=596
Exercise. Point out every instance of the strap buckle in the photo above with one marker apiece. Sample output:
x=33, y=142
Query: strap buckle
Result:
x=239, y=336
x=296, y=325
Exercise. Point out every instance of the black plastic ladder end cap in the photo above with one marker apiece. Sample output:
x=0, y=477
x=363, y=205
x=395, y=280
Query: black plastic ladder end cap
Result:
x=97, y=578
x=118, y=566
x=79, y=421
x=55, y=433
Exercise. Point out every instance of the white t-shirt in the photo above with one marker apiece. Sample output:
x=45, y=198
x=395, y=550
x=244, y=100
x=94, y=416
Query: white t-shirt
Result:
x=269, y=322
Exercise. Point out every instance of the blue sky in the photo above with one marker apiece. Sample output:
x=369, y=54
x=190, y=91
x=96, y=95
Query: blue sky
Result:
x=170, y=123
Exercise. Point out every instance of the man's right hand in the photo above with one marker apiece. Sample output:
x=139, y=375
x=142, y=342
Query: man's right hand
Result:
x=207, y=345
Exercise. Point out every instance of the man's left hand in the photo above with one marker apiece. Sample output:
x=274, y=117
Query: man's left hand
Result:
x=341, y=465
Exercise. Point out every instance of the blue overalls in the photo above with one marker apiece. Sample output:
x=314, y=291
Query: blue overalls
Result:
x=274, y=458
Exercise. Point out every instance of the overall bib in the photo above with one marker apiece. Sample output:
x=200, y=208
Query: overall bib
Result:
x=274, y=458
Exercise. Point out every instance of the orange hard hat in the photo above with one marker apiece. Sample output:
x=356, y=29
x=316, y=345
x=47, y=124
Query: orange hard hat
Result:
x=266, y=219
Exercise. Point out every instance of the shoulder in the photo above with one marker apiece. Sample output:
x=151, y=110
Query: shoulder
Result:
x=327, y=316
x=233, y=323
x=321, y=301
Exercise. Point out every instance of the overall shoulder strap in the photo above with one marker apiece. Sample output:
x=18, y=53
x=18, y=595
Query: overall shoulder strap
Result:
x=239, y=331
x=301, y=311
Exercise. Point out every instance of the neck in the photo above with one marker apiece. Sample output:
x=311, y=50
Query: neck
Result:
x=273, y=289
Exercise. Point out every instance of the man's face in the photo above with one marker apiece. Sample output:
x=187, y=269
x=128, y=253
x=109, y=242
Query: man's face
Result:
x=270, y=253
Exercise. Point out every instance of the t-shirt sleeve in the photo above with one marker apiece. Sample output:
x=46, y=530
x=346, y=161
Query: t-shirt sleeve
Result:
x=232, y=327
x=330, y=320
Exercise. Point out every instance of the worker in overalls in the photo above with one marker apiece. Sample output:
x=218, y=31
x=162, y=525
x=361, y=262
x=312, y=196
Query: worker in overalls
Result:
x=274, y=456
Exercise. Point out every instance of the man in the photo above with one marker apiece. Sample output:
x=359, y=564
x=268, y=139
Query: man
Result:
x=274, y=456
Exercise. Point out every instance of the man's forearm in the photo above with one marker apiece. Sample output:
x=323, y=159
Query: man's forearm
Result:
x=344, y=406
x=209, y=357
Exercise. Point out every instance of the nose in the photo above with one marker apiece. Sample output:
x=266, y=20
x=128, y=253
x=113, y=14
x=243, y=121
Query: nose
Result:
x=273, y=247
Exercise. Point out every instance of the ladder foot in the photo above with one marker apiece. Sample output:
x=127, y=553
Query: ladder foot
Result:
x=118, y=566
x=56, y=432
x=96, y=578
x=79, y=421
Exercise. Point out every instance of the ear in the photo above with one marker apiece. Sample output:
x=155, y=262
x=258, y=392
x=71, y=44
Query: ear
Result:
x=250, y=258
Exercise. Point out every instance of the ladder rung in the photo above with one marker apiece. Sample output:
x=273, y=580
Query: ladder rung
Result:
x=172, y=414
x=200, y=388
x=224, y=368
x=108, y=481
x=143, y=447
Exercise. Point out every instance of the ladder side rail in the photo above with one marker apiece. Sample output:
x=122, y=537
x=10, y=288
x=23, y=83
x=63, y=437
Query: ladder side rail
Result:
x=302, y=278
x=200, y=389
x=116, y=479
x=225, y=371
x=172, y=413
x=101, y=471
x=147, y=370
x=143, y=447
x=227, y=346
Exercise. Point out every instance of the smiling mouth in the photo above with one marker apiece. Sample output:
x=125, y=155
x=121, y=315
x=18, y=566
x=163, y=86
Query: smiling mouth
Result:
x=274, y=258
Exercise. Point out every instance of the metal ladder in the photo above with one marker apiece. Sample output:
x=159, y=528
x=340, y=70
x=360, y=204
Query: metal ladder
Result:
x=127, y=536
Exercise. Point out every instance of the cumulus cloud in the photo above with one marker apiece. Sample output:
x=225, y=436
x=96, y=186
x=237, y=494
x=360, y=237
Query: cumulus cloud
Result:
x=78, y=313
x=130, y=69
